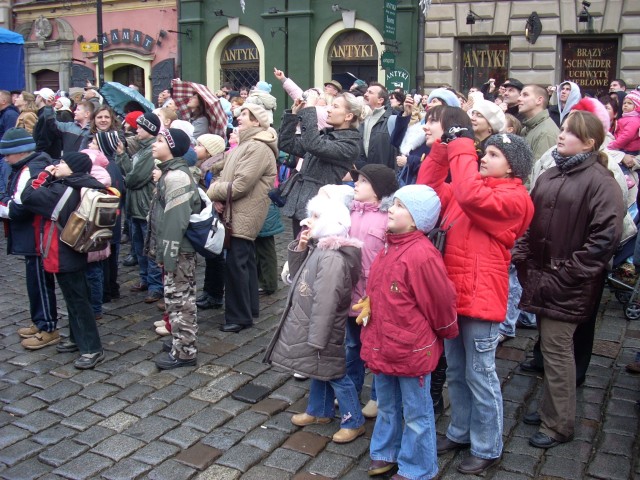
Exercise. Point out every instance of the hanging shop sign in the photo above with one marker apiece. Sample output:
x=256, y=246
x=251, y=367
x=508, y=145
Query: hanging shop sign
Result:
x=397, y=79
x=128, y=38
x=388, y=60
x=389, y=26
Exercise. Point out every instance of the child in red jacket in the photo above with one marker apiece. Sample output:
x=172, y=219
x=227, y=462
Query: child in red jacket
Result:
x=413, y=308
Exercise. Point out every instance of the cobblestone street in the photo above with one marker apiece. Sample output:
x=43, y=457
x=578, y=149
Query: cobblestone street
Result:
x=229, y=417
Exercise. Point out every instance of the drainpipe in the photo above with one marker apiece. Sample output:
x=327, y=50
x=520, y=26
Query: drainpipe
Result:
x=420, y=60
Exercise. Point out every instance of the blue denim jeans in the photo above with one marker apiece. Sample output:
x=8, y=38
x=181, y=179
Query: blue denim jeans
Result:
x=474, y=387
x=355, y=364
x=321, y=395
x=95, y=279
x=150, y=273
x=412, y=446
x=508, y=327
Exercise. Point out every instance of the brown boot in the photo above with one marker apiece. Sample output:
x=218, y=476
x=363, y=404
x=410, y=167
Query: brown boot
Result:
x=304, y=419
x=41, y=339
x=346, y=435
x=28, y=332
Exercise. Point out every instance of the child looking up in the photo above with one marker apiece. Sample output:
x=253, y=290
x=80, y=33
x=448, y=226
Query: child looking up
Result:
x=324, y=265
x=413, y=307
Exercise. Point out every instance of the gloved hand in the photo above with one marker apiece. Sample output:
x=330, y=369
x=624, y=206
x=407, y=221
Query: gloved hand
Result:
x=285, y=274
x=457, y=132
x=364, y=307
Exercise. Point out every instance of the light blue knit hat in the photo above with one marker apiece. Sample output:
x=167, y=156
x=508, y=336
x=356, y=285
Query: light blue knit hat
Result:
x=423, y=205
x=264, y=86
x=447, y=96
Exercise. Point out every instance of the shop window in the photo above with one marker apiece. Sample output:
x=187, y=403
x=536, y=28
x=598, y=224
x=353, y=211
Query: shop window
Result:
x=240, y=63
x=591, y=64
x=130, y=75
x=353, y=54
x=482, y=61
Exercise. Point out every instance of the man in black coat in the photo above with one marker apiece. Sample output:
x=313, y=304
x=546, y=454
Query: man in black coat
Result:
x=18, y=147
x=376, y=146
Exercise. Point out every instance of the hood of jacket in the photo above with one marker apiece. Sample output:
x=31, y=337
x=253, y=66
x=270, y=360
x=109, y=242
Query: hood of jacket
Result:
x=413, y=138
x=267, y=136
x=348, y=247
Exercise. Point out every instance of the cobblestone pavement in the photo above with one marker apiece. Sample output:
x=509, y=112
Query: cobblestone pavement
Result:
x=127, y=420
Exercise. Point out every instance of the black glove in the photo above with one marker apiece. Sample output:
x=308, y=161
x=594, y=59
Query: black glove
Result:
x=457, y=132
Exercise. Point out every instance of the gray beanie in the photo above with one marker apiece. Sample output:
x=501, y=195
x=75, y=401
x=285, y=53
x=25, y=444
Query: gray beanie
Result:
x=517, y=152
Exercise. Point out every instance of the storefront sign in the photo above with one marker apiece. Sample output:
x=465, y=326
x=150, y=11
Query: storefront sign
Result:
x=397, y=79
x=240, y=50
x=389, y=29
x=127, y=37
x=353, y=45
x=482, y=61
x=89, y=47
x=590, y=64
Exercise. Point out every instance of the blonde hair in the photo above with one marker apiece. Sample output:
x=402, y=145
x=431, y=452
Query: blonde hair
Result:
x=168, y=114
x=353, y=105
x=30, y=102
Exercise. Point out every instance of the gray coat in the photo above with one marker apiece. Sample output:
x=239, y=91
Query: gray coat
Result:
x=310, y=337
x=328, y=155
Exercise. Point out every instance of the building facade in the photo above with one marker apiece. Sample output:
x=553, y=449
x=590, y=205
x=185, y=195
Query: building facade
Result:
x=590, y=43
x=312, y=41
x=139, y=47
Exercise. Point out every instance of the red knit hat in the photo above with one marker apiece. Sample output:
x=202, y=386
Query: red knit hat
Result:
x=131, y=118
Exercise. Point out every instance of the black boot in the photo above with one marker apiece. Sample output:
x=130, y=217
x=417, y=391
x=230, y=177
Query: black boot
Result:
x=438, y=377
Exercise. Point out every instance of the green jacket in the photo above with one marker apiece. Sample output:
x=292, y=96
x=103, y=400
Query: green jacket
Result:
x=177, y=199
x=541, y=133
x=137, y=176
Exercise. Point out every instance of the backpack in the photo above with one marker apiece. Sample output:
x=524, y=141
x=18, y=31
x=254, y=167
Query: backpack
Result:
x=90, y=226
x=205, y=231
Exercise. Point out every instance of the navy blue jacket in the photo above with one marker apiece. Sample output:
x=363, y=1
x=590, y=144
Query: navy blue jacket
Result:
x=19, y=220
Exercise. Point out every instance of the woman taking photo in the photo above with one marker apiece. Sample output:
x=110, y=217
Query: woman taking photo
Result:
x=485, y=212
x=328, y=154
x=562, y=259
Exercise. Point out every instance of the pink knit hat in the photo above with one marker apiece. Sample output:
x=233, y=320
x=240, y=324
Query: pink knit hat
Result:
x=634, y=96
x=594, y=106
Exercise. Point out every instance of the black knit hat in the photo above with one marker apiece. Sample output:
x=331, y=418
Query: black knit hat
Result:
x=78, y=162
x=382, y=179
x=150, y=123
x=107, y=142
x=17, y=140
x=177, y=140
x=517, y=152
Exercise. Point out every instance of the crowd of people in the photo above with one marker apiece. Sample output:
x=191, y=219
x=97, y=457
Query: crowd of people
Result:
x=426, y=228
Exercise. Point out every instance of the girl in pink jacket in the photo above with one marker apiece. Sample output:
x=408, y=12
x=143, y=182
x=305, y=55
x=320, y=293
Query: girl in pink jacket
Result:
x=627, y=138
x=375, y=185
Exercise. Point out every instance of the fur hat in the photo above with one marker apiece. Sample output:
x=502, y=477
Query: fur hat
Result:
x=177, y=140
x=213, y=144
x=423, y=205
x=131, y=119
x=517, y=152
x=264, y=86
x=107, y=142
x=382, y=178
x=258, y=112
x=150, y=123
x=333, y=218
x=17, y=140
x=634, y=96
x=447, y=96
x=78, y=162
x=594, y=106
x=185, y=126
x=492, y=112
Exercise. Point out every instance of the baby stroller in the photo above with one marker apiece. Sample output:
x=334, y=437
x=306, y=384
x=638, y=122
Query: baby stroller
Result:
x=628, y=295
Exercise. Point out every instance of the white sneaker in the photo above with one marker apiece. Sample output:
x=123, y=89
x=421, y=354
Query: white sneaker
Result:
x=370, y=410
x=502, y=338
x=299, y=376
x=159, y=323
x=162, y=331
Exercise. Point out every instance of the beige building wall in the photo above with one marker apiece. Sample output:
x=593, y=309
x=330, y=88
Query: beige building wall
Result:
x=530, y=63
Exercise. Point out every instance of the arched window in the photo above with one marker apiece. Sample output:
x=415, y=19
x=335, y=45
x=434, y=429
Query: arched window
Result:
x=354, y=52
x=240, y=63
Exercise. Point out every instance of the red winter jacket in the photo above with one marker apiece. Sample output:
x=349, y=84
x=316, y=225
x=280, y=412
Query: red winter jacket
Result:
x=486, y=216
x=413, y=307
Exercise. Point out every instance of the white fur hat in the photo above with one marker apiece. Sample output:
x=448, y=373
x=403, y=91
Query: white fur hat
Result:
x=332, y=217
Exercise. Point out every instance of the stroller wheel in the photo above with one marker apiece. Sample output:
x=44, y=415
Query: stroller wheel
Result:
x=623, y=297
x=632, y=311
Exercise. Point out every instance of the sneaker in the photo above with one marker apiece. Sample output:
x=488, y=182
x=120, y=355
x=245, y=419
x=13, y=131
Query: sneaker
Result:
x=88, y=360
x=304, y=419
x=28, y=332
x=153, y=297
x=159, y=323
x=66, y=347
x=162, y=331
x=168, y=362
x=370, y=410
x=300, y=377
x=41, y=339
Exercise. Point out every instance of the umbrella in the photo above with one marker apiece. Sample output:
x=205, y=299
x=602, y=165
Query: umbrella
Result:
x=118, y=95
x=184, y=90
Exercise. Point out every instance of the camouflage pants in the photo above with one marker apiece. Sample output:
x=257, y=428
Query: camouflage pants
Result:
x=180, y=301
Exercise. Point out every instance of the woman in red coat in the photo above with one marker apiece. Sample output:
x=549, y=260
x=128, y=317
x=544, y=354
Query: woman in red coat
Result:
x=486, y=212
